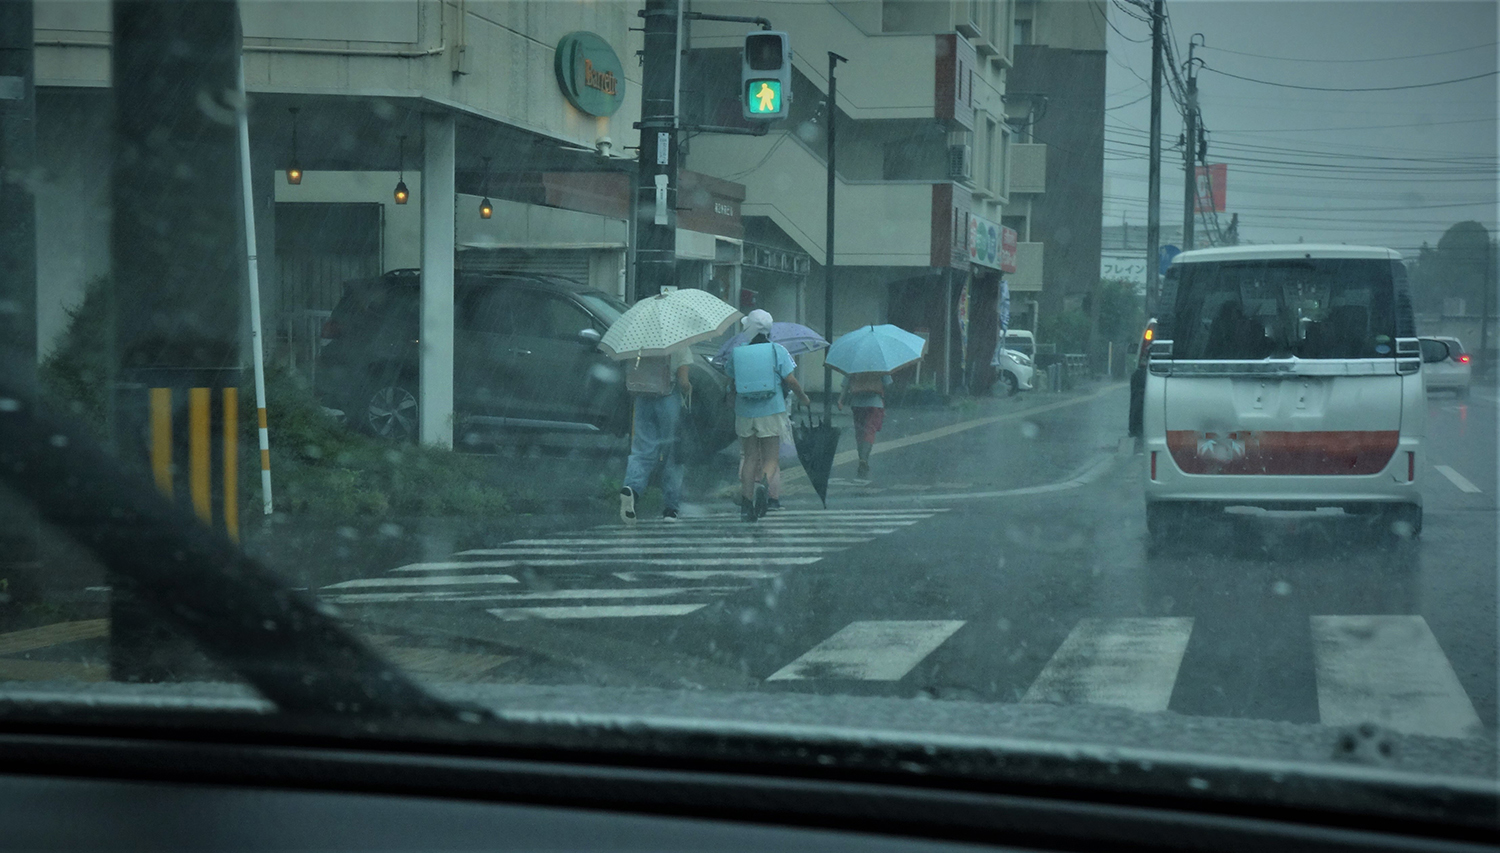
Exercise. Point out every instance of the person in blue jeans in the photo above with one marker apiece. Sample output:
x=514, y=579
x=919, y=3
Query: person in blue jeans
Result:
x=654, y=442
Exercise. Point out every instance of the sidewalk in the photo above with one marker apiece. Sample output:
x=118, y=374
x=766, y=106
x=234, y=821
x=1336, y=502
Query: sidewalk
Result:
x=966, y=462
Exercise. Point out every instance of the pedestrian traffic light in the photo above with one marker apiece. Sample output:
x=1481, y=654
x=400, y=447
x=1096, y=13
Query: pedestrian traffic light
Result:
x=766, y=76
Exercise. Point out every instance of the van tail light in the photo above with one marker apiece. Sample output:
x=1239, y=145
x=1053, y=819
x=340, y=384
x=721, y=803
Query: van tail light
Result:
x=1153, y=464
x=331, y=330
x=1411, y=466
x=1463, y=358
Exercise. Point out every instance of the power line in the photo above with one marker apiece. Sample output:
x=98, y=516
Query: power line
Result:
x=1112, y=26
x=1454, y=159
x=1374, y=59
x=1129, y=104
x=1342, y=89
x=1361, y=127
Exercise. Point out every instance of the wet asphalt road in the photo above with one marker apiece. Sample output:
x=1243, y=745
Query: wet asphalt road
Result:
x=998, y=554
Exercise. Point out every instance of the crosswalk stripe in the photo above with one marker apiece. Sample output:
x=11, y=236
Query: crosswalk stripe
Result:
x=747, y=529
x=1126, y=663
x=783, y=518
x=603, y=611
x=1457, y=479
x=739, y=574
x=419, y=580
x=869, y=651
x=832, y=513
x=623, y=558
x=602, y=594
x=1388, y=670
x=651, y=548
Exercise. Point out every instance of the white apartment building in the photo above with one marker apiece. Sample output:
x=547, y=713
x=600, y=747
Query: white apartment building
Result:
x=922, y=164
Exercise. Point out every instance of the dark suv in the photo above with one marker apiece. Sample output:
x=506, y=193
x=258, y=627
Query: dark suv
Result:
x=525, y=356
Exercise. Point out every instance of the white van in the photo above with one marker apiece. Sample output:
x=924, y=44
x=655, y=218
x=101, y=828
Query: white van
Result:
x=1284, y=377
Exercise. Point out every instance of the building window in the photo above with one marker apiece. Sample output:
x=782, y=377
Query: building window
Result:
x=992, y=156
x=1004, y=164
x=1021, y=34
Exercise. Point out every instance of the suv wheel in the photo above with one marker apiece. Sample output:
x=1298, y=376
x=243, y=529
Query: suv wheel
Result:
x=391, y=412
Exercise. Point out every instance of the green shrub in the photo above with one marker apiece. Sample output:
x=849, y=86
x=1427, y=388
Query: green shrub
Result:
x=318, y=466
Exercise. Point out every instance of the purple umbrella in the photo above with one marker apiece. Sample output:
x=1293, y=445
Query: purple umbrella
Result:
x=797, y=339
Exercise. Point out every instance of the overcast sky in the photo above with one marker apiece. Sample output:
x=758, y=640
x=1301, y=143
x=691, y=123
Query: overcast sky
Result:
x=1392, y=168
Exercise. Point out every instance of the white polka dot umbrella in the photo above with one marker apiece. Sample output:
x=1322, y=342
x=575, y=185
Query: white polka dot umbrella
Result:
x=657, y=325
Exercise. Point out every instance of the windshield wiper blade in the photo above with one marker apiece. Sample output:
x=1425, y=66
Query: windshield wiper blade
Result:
x=193, y=578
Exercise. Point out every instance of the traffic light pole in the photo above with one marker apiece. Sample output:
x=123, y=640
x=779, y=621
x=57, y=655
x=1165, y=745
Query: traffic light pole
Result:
x=833, y=110
x=656, y=187
x=1153, y=190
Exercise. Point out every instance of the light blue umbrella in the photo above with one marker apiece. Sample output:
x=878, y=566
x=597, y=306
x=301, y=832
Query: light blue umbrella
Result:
x=875, y=349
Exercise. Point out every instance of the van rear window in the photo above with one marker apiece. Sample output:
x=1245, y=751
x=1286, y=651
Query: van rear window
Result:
x=1308, y=308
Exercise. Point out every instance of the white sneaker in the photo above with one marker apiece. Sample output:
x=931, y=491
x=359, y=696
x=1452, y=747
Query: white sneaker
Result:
x=627, y=505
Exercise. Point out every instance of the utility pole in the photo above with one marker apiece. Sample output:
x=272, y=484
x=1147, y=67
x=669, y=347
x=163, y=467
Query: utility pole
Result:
x=20, y=558
x=656, y=182
x=833, y=110
x=178, y=265
x=1153, y=191
x=1190, y=154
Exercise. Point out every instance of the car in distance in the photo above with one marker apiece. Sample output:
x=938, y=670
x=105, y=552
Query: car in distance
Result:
x=1450, y=366
x=1013, y=368
x=1284, y=377
x=526, y=357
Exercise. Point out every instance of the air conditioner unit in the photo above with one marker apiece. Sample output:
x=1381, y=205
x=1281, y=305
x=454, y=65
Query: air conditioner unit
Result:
x=960, y=162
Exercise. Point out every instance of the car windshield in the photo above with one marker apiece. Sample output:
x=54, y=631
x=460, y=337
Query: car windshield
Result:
x=371, y=360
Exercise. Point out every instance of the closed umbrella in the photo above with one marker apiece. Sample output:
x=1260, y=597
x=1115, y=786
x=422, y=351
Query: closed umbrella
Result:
x=817, y=443
x=659, y=324
x=797, y=338
x=875, y=349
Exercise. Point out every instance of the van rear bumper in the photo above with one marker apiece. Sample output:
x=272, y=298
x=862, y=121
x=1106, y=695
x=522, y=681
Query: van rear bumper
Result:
x=1399, y=481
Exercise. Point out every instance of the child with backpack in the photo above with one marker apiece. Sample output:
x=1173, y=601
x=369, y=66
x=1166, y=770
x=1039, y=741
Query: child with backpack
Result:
x=866, y=393
x=760, y=372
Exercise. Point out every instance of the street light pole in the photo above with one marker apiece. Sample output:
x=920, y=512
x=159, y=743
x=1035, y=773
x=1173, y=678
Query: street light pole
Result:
x=833, y=60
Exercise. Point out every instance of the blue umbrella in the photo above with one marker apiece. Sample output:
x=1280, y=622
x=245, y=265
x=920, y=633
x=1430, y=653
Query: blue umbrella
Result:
x=797, y=339
x=875, y=349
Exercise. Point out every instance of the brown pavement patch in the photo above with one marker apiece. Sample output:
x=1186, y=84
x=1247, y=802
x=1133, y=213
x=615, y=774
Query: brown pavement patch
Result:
x=55, y=634
x=44, y=670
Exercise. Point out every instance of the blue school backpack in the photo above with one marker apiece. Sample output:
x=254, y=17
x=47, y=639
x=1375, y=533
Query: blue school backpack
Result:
x=755, y=371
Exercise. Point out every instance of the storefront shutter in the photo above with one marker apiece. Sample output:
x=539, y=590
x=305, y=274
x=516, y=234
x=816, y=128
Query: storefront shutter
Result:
x=572, y=265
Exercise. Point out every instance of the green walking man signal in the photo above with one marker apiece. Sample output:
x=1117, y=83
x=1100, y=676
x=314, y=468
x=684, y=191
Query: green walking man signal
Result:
x=766, y=76
x=764, y=97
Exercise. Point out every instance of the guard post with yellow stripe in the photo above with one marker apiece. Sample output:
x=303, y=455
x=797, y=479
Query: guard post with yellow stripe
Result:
x=191, y=432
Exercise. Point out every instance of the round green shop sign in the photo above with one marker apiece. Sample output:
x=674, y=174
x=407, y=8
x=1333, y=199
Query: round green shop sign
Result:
x=590, y=74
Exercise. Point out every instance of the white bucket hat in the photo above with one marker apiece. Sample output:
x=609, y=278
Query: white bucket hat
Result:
x=758, y=322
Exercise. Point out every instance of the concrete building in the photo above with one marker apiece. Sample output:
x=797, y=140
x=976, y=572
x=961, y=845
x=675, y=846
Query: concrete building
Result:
x=922, y=164
x=1055, y=97
x=459, y=99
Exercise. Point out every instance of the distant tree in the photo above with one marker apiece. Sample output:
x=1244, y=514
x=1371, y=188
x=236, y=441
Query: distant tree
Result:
x=1457, y=268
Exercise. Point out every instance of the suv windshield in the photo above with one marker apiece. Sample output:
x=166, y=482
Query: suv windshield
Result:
x=1309, y=308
